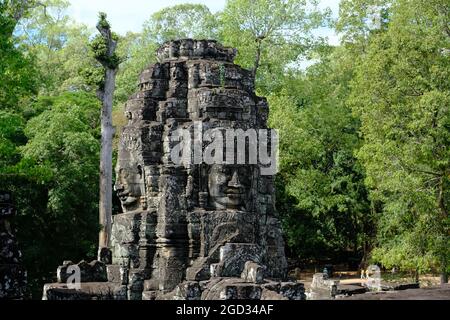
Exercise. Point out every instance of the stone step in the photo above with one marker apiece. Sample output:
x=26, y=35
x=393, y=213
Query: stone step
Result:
x=348, y=289
x=399, y=286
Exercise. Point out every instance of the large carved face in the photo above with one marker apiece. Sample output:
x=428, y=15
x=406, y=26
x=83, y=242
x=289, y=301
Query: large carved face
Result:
x=229, y=186
x=129, y=186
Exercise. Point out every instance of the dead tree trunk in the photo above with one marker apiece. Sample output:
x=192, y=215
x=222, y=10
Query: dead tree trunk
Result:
x=107, y=132
x=110, y=62
x=257, y=63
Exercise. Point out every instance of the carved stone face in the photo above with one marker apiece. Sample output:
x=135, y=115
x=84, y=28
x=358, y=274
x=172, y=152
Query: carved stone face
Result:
x=129, y=188
x=185, y=47
x=229, y=186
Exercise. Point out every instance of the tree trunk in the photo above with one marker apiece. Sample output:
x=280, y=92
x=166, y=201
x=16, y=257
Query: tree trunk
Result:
x=111, y=65
x=107, y=131
x=416, y=276
x=257, y=58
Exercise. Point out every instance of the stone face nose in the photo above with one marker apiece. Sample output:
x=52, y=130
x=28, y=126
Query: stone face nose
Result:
x=234, y=182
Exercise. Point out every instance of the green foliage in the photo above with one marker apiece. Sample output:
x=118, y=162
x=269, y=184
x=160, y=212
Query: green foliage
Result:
x=180, y=22
x=17, y=71
x=359, y=19
x=270, y=35
x=11, y=135
x=99, y=47
x=137, y=52
x=401, y=93
x=102, y=22
x=325, y=207
x=60, y=47
x=50, y=163
x=103, y=50
x=64, y=142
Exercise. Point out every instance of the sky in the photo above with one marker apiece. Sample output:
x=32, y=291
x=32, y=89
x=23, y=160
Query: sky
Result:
x=130, y=15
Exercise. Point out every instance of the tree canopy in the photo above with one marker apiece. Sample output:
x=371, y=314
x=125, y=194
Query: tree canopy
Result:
x=401, y=94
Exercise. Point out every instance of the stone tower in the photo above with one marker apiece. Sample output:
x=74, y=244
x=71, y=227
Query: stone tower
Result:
x=196, y=229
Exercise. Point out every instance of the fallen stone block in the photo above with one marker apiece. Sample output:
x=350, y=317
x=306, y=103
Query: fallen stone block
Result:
x=86, y=291
x=94, y=271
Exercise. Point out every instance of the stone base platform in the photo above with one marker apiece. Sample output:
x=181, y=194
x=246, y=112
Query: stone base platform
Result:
x=214, y=289
x=111, y=282
x=87, y=291
x=431, y=293
x=231, y=289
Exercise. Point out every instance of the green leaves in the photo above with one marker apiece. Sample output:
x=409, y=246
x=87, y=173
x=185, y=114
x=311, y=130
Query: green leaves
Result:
x=403, y=103
x=63, y=145
x=102, y=22
x=59, y=46
x=17, y=71
x=270, y=35
x=50, y=163
x=321, y=184
x=180, y=22
x=11, y=135
x=100, y=49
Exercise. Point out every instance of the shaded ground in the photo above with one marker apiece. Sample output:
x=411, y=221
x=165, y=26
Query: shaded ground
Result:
x=431, y=293
x=353, y=277
x=351, y=285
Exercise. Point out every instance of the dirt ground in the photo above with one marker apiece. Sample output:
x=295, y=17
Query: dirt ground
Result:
x=430, y=288
x=430, y=293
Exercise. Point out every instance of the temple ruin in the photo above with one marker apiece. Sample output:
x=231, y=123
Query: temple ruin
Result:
x=187, y=230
